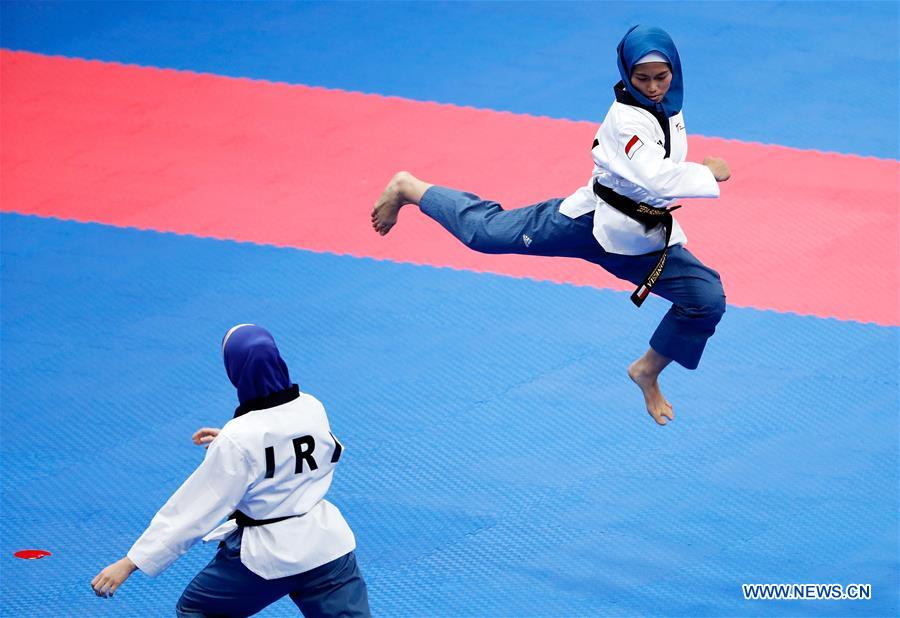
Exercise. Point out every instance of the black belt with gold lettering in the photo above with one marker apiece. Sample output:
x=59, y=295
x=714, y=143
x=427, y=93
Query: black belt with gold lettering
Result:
x=247, y=521
x=650, y=217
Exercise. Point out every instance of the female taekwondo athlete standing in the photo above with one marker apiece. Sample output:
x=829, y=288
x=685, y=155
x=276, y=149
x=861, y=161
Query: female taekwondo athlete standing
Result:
x=270, y=467
x=620, y=219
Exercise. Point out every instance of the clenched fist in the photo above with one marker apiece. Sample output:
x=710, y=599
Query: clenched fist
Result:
x=718, y=167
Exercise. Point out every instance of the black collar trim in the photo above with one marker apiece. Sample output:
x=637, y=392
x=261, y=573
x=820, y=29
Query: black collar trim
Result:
x=626, y=98
x=269, y=401
x=623, y=96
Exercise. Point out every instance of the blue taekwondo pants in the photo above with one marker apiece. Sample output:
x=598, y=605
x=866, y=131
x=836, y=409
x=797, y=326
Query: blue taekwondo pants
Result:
x=225, y=587
x=695, y=290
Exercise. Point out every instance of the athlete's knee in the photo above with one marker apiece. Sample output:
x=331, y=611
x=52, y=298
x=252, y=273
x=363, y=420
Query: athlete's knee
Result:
x=483, y=244
x=485, y=240
x=706, y=308
x=481, y=230
x=712, y=302
x=182, y=609
x=180, y=612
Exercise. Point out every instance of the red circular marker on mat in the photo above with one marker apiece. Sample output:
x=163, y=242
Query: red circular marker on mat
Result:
x=32, y=554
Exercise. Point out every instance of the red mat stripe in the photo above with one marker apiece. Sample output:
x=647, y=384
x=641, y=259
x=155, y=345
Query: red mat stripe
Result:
x=803, y=231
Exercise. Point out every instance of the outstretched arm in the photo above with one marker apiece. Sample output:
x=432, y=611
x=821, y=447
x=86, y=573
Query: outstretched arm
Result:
x=636, y=157
x=204, y=499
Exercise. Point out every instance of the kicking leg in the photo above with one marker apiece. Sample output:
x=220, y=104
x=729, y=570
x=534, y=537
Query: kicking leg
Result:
x=484, y=225
x=404, y=188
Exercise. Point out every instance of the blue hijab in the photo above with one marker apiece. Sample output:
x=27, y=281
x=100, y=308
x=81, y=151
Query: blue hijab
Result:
x=253, y=363
x=637, y=43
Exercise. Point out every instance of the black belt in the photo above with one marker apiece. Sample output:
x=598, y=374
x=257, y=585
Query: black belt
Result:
x=650, y=217
x=246, y=521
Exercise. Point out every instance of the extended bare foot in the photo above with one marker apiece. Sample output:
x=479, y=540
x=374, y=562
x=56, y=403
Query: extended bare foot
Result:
x=645, y=373
x=404, y=188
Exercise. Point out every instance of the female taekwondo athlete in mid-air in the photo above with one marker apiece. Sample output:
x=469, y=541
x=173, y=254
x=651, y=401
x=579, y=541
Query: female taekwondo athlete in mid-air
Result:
x=620, y=219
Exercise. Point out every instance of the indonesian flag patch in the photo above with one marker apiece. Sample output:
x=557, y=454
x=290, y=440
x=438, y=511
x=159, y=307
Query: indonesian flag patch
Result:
x=633, y=145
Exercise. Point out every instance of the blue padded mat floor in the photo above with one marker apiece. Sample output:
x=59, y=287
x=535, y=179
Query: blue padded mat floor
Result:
x=498, y=460
x=754, y=70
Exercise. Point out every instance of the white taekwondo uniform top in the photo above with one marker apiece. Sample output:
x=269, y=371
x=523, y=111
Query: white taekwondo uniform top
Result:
x=233, y=475
x=630, y=160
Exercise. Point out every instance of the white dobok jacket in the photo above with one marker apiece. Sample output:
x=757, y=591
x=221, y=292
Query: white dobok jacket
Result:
x=266, y=463
x=629, y=158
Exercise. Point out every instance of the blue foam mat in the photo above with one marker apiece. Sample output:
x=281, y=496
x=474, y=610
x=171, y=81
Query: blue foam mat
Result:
x=498, y=460
x=822, y=75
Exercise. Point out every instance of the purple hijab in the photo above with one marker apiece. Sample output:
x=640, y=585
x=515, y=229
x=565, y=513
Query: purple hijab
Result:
x=253, y=363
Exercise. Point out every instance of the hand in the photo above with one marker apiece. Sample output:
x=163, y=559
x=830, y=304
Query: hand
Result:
x=718, y=167
x=109, y=579
x=205, y=435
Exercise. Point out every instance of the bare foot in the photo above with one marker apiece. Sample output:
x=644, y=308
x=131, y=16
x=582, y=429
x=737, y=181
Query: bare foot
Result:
x=657, y=405
x=395, y=195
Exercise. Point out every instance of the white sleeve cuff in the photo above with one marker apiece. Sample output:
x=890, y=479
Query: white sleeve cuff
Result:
x=714, y=190
x=151, y=560
x=698, y=181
